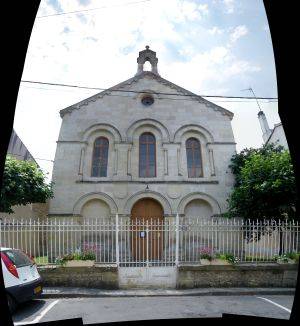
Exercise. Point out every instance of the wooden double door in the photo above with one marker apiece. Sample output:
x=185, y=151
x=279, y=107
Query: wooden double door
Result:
x=147, y=230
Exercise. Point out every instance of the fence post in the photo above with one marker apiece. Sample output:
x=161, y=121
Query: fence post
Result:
x=177, y=240
x=117, y=240
x=147, y=243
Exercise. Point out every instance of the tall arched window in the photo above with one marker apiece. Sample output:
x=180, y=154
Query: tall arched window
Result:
x=147, y=156
x=100, y=157
x=193, y=157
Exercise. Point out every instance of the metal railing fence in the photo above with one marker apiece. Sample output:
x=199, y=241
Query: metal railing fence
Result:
x=151, y=242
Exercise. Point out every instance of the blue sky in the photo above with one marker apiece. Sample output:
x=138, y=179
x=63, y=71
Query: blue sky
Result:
x=213, y=47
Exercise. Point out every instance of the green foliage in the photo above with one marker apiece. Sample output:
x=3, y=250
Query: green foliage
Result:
x=220, y=256
x=229, y=257
x=265, y=184
x=238, y=160
x=281, y=258
x=85, y=255
x=23, y=183
x=293, y=255
x=88, y=255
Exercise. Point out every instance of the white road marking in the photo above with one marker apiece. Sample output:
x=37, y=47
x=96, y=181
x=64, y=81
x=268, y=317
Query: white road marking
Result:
x=40, y=316
x=276, y=304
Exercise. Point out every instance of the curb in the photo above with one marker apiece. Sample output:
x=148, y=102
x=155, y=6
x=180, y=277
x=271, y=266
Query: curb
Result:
x=218, y=292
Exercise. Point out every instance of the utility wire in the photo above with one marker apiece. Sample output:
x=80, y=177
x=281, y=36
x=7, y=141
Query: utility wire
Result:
x=160, y=98
x=36, y=158
x=91, y=9
x=141, y=92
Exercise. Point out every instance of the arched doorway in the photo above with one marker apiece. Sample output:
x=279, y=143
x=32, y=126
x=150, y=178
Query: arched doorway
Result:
x=147, y=230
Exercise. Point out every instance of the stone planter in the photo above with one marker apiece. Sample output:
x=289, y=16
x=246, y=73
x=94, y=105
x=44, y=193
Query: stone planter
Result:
x=80, y=263
x=220, y=262
x=290, y=261
x=214, y=262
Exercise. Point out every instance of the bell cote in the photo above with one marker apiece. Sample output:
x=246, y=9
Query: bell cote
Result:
x=147, y=55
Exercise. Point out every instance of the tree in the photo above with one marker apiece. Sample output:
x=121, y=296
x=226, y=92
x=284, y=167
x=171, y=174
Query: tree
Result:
x=265, y=185
x=23, y=183
x=265, y=189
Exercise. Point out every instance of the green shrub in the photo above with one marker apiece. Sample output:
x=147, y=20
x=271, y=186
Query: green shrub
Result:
x=227, y=256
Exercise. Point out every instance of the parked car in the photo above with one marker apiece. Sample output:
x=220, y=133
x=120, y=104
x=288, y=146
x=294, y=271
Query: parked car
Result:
x=21, y=278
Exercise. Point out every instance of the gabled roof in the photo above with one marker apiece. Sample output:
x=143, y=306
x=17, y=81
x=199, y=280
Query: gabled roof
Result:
x=272, y=132
x=135, y=79
x=17, y=148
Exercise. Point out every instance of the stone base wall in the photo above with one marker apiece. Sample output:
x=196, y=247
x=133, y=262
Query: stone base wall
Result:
x=90, y=277
x=246, y=275
x=218, y=276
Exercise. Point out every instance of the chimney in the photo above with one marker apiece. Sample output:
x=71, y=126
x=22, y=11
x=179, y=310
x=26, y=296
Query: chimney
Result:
x=264, y=126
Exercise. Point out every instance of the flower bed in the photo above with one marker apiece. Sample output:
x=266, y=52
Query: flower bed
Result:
x=210, y=256
x=78, y=259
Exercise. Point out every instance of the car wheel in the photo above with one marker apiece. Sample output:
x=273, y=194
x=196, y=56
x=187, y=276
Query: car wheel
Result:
x=12, y=304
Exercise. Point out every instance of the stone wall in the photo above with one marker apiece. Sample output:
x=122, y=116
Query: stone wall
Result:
x=246, y=275
x=218, y=276
x=92, y=277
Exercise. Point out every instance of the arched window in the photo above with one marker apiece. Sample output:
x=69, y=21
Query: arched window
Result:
x=100, y=157
x=193, y=157
x=147, y=156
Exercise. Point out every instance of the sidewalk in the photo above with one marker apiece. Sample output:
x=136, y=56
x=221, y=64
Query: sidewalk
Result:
x=74, y=292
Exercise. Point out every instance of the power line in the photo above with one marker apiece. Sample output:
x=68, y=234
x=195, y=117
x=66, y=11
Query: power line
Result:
x=91, y=9
x=35, y=158
x=141, y=92
x=160, y=98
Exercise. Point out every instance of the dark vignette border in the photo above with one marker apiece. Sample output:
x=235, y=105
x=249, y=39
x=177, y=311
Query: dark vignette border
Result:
x=284, y=24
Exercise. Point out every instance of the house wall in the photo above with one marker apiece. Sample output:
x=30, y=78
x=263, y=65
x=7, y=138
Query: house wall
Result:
x=122, y=120
x=278, y=137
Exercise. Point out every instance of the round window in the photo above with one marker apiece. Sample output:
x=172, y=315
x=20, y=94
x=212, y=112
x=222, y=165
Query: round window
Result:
x=147, y=100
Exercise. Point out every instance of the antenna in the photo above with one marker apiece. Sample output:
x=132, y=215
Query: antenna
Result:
x=251, y=90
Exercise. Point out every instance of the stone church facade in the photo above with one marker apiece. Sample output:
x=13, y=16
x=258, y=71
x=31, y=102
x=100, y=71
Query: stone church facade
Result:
x=144, y=145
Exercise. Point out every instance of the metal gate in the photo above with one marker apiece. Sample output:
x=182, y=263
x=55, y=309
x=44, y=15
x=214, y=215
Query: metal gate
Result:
x=146, y=242
x=147, y=253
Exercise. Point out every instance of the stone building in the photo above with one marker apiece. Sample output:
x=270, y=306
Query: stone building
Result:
x=145, y=147
x=272, y=136
x=19, y=151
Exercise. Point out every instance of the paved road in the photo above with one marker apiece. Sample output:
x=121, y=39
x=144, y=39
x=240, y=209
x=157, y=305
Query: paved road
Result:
x=97, y=310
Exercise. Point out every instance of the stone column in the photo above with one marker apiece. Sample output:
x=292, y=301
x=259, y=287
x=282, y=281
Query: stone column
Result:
x=179, y=161
x=80, y=168
x=129, y=161
x=211, y=162
x=116, y=162
x=165, y=161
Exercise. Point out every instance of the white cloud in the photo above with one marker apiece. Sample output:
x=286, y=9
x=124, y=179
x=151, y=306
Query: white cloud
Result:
x=238, y=32
x=203, y=8
x=101, y=50
x=240, y=67
x=215, y=31
x=229, y=6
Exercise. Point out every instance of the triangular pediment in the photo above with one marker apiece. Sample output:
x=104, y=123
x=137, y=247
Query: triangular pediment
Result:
x=147, y=74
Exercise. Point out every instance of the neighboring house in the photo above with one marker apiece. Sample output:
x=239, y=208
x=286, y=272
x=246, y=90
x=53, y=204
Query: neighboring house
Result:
x=275, y=135
x=145, y=147
x=19, y=151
